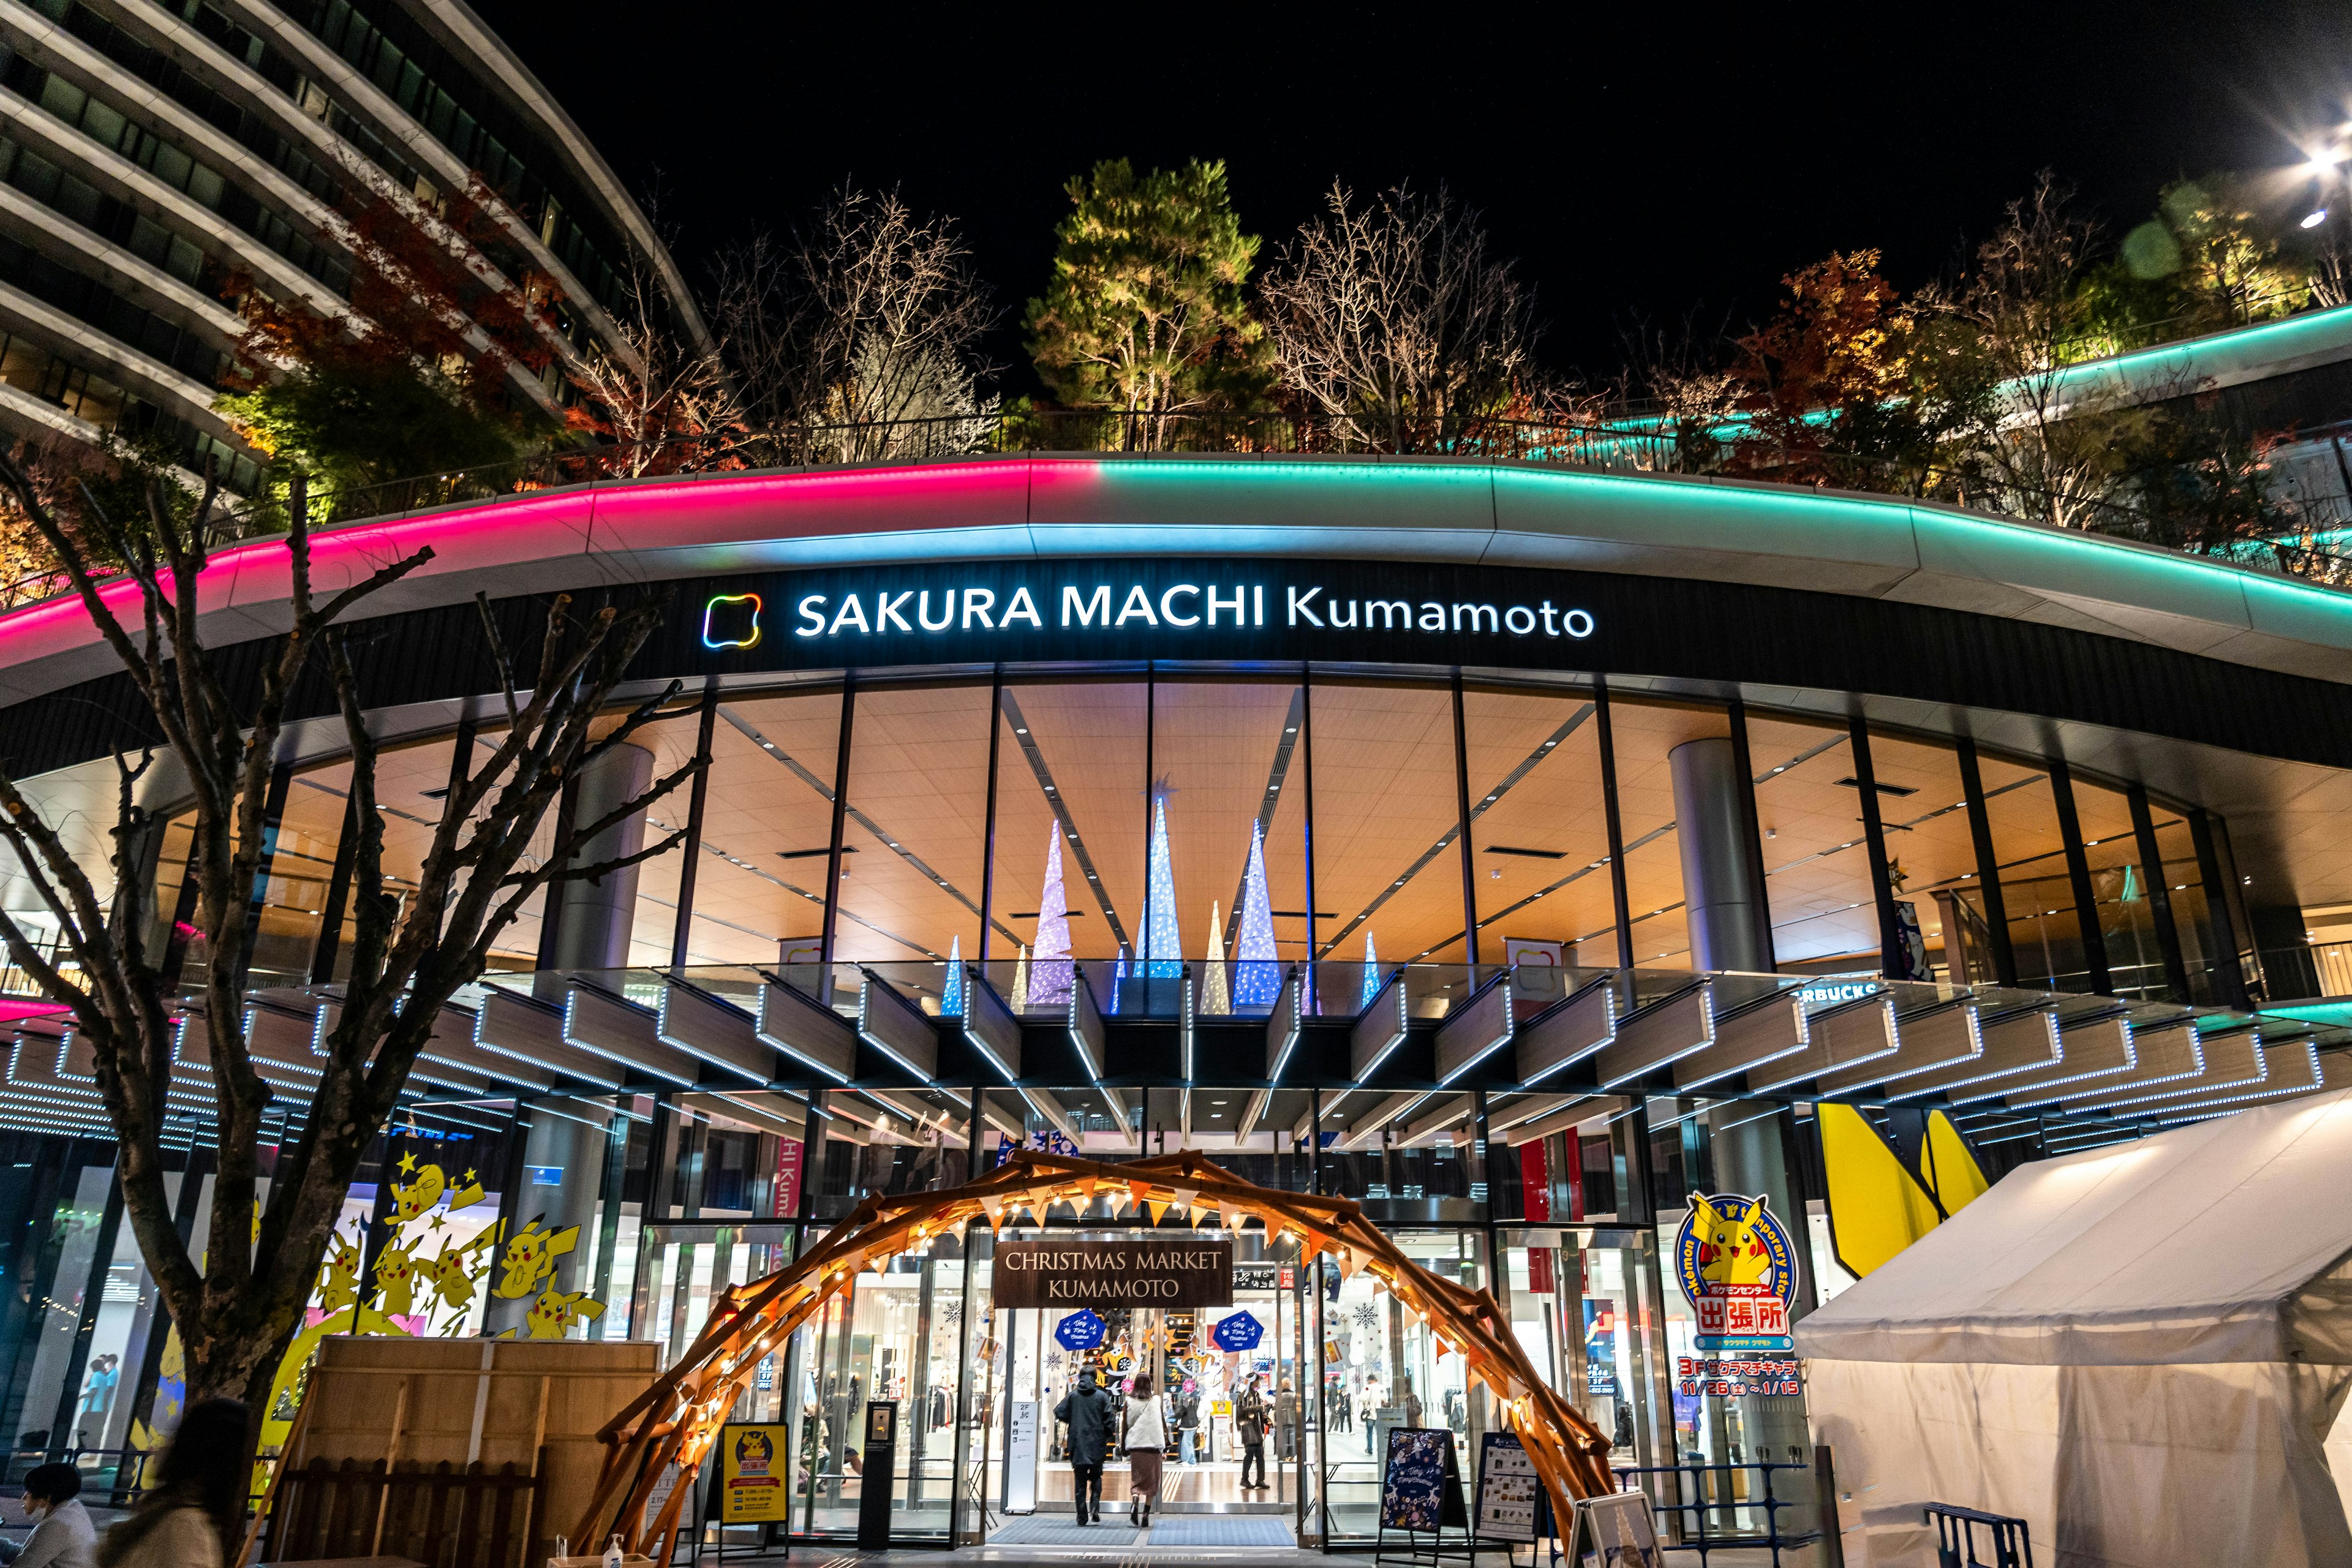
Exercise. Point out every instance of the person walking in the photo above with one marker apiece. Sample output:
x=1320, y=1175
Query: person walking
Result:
x=1249, y=1430
x=1086, y=1410
x=199, y=1492
x=1286, y=1424
x=1187, y=1420
x=1143, y=1433
x=63, y=1536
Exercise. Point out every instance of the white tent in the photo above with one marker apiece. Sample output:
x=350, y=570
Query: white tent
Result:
x=2141, y=1351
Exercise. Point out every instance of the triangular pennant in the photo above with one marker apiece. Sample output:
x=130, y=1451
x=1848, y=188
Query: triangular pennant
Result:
x=1194, y=1213
x=1157, y=1209
x=1087, y=1185
x=1138, y=1190
x=1186, y=1194
x=992, y=1206
x=1230, y=1217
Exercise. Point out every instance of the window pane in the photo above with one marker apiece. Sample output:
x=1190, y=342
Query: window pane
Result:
x=1816, y=864
x=1540, y=828
x=2119, y=888
x=1931, y=855
x=1646, y=734
x=2043, y=930
x=1227, y=756
x=916, y=835
x=1385, y=806
x=1069, y=795
x=759, y=893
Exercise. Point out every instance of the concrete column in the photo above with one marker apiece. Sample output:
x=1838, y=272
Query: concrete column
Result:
x=1722, y=903
x=593, y=932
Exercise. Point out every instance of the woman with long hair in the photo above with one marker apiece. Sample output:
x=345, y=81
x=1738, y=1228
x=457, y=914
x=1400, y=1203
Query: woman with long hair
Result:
x=1144, y=1436
x=199, y=1493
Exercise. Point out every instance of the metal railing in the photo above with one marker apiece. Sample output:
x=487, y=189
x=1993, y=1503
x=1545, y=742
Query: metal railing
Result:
x=2011, y=1540
x=1698, y=1481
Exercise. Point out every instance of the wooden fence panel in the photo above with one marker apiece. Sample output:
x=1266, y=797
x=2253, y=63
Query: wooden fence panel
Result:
x=444, y=1516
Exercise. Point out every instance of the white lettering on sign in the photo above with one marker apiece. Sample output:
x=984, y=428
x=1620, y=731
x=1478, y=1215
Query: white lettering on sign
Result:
x=1183, y=607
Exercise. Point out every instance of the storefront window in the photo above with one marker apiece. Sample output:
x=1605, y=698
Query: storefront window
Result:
x=2119, y=888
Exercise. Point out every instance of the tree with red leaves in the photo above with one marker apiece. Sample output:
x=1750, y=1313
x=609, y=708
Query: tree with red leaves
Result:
x=439, y=364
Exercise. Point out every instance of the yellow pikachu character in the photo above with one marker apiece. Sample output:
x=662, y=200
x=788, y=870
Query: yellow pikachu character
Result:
x=557, y=1310
x=409, y=1202
x=395, y=1280
x=1730, y=1252
x=531, y=1257
x=340, y=1287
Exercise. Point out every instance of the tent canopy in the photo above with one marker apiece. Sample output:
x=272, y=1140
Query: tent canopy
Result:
x=2222, y=1241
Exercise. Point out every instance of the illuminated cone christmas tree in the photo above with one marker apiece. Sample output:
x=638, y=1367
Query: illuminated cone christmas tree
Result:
x=951, y=995
x=1021, y=982
x=1372, y=974
x=1256, y=978
x=1216, y=997
x=1049, y=975
x=1163, y=949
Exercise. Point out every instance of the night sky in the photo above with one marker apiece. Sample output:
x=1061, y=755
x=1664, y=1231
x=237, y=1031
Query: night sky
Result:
x=1649, y=163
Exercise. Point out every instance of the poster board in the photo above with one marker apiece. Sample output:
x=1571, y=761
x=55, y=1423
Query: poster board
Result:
x=1615, y=1531
x=753, y=1472
x=1511, y=1502
x=1020, y=1460
x=1421, y=1487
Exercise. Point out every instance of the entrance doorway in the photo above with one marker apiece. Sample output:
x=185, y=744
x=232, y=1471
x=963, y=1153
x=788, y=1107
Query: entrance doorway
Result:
x=1202, y=1383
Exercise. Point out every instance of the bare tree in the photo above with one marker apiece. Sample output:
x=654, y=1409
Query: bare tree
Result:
x=2037, y=449
x=1677, y=399
x=236, y=1314
x=861, y=338
x=1393, y=322
x=667, y=404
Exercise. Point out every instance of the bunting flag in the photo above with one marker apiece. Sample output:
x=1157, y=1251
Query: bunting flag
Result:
x=1137, y=1191
x=1158, y=1210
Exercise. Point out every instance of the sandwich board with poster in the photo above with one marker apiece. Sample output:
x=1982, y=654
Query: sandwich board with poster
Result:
x=1511, y=1502
x=1420, y=1491
x=1615, y=1531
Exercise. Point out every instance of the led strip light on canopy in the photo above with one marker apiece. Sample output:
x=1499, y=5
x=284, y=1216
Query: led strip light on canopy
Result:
x=674, y=1421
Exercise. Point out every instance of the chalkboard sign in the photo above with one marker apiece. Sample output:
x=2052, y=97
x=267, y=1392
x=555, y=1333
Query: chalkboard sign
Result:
x=1512, y=1504
x=1421, y=1493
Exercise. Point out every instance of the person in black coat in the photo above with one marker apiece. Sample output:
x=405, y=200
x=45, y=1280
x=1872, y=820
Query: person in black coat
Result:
x=1086, y=1410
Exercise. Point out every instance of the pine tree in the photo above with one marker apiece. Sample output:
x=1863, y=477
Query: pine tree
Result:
x=1148, y=313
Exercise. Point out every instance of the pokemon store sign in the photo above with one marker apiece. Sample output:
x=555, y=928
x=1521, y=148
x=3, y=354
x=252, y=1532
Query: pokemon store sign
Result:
x=1737, y=1267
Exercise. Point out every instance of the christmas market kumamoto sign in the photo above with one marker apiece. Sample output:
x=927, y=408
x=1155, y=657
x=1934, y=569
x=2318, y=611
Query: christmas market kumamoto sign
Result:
x=1114, y=1274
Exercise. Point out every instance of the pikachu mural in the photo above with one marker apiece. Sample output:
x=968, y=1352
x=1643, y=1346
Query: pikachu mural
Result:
x=430, y=1272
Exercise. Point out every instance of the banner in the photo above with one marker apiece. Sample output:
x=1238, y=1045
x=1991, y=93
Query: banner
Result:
x=788, y=1177
x=753, y=1473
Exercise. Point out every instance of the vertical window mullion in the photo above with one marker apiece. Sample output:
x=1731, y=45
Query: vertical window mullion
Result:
x=1995, y=903
x=1620, y=900
x=2078, y=873
x=2159, y=893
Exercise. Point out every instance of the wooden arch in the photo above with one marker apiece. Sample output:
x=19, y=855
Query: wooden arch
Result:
x=675, y=1420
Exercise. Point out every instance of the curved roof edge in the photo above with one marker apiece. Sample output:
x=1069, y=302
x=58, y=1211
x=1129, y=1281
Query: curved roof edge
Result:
x=1475, y=512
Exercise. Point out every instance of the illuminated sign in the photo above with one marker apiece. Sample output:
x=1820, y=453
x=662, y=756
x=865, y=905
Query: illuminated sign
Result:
x=1737, y=1268
x=1832, y=993
x=1178, y=607
x=732, y=620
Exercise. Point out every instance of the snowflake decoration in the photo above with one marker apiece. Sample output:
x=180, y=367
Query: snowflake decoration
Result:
x=1368, y=1316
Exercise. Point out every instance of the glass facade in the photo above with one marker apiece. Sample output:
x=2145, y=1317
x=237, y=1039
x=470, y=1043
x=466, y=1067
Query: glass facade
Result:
x=1140, y=835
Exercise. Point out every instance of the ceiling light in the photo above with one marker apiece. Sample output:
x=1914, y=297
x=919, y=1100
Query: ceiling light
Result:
x=2314, y=219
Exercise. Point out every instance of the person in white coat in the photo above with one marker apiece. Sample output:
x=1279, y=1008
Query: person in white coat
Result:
x=63, y=1535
